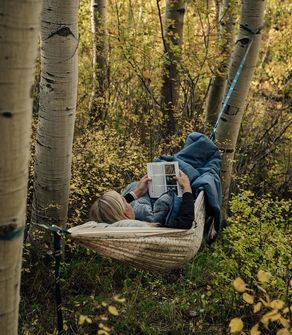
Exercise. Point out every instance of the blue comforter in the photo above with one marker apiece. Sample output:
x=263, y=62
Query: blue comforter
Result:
x=200, y=160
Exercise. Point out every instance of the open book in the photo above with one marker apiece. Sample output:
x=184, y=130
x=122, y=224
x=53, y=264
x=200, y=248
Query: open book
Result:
x=163, y=178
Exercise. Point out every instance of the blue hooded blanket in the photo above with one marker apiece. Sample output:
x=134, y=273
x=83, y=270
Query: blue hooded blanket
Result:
x=200, y=160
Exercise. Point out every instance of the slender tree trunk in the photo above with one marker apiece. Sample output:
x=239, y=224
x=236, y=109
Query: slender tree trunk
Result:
x=172, y=42
x=57, y=106
x=251, y=20
x=226, y=39
x=100, y=63
x=19, y=31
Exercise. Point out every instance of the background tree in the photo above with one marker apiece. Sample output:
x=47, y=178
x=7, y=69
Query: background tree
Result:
x=172, y=43
x=100, y=55
x=19, y=30
x=251, y=23
x=226, y=32
x=57, y=106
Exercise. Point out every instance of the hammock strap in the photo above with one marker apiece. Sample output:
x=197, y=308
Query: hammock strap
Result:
x=58, y=296
x=57, y=232
x=231, y=89
x=236, y=77
x=10, y=232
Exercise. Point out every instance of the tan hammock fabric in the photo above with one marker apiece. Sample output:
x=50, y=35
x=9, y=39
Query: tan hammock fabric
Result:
x=150, y=248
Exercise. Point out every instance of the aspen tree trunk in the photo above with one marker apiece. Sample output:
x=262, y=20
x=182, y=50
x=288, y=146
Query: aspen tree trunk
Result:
x=57, y=106
x=19, y=31
x=226, y=39
x=251, y=18
x=100, y=54
x=172, y=43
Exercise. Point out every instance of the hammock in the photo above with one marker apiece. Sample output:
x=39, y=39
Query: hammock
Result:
x=153, y=248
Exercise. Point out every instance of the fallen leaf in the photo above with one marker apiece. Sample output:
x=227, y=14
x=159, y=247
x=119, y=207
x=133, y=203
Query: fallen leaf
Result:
x=83, y=319
x=236, y=325
x=119, y=299
x=113, y=310
x=248, y=298
x=277, y=304
x=263, y=276
x=254, y=330
x=239, y=285
x=257, y=307
x=283, y=331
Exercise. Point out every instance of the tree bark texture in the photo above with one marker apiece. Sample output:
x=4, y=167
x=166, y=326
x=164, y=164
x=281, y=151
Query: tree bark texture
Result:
x=100, y=55
x=57, y=107
x=251, y=20
x=226, y=38
x=172, y=43
x=19, y=31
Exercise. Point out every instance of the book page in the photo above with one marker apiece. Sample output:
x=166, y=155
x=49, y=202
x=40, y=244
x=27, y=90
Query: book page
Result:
x=163, y=178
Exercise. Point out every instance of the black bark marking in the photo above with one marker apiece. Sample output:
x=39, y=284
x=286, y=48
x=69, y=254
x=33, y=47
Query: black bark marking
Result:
x=181, y=10
x=243, y=41
x=31, y=91
x=51, y=81
x=8, y=115
x=50, y=74
x=223, y=119
x=63, y=31
x=8, y=228
x=227, y=151
x=42, y=145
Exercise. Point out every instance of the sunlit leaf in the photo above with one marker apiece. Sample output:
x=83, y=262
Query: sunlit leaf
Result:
x=236, y=325
x=283, y=331
x=83, y=319
x=277, y=304
x=239, y=285
x=119, y=299
x=257, y=307
x=254, y=330
x=113, y=310
x=104, y=327
x=284, y=322
x=102, y=332
x=263, y=276
x=248, y=298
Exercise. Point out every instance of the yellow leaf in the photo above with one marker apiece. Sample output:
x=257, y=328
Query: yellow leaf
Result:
x=257, y=307
x=102, y=332
x=104, y=304
x=254, y=330
x=235, y=325
x=113, y=310
x=283, y=331
x=83, y=319
x=119, y=299
x=239, y=285
x=102, y=326
x=284, y=322
x=277, y=304
x=263, y=276
x=265, y=303
x=248, y=298
x=285, y=310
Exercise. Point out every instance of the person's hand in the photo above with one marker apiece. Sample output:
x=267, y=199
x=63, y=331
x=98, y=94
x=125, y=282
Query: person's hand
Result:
x=184, y=182
x=142, y=186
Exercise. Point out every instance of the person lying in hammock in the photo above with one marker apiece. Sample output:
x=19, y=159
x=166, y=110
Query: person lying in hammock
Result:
x=112, y=207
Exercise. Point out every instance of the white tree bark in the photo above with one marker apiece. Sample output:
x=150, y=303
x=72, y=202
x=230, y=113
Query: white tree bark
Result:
x=100, y=55
x=19, y=30
x=251, y=18
x=57, y=106
x=226, y=38
x=172, y=40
